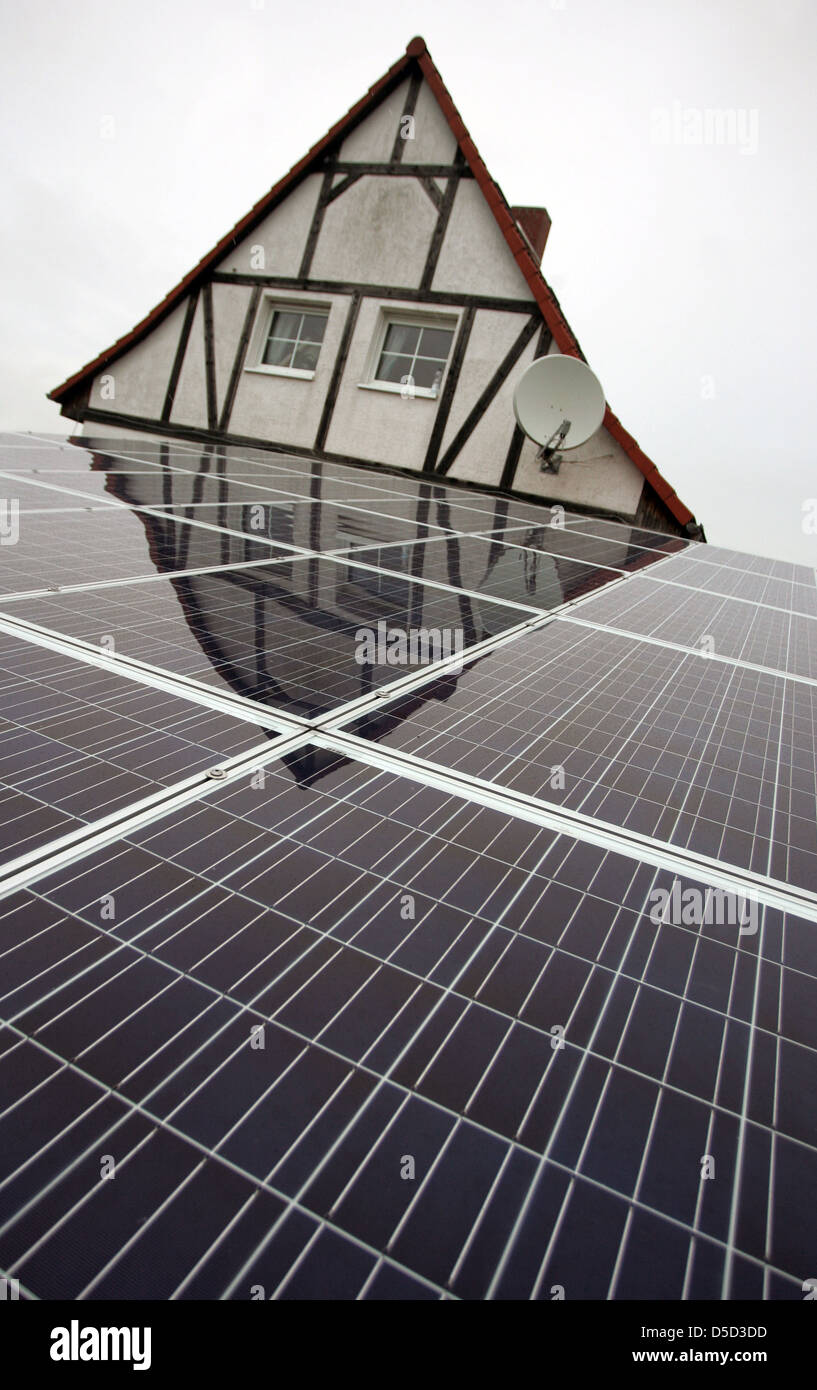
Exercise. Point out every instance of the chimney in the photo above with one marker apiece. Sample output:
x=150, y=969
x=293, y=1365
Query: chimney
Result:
x=535, y=224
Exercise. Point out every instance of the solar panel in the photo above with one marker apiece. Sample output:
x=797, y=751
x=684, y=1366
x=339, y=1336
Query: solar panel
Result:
x=683, y=749
x=446, y=976
x=750, y=632
x=116, y=543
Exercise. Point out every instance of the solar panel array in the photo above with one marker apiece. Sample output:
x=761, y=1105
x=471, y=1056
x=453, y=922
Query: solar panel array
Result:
x=407, y=893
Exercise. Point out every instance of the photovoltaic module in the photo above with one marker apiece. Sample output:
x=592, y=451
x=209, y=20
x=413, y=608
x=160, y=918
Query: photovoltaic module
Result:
x=407, y=892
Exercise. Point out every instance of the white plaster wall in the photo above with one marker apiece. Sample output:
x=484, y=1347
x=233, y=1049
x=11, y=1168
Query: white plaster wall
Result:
x=229, y=308
x=282, y=234
x=378, y=425
x=190, y=400
x=475, y=257
x=141, y=374
x=288, y=409
x=611, y=481
x=373, y=139
x=492, y=335
x=433, y=141
x=399, y=219
x=482, y=457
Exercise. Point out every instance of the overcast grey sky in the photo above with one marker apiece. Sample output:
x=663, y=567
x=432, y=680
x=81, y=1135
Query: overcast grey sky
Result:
x=136, y=132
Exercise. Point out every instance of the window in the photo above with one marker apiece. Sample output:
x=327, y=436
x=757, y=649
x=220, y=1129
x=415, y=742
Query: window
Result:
x=290, y=340
x=411, y=351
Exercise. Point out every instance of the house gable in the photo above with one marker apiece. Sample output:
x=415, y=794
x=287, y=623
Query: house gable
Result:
x=392, y=214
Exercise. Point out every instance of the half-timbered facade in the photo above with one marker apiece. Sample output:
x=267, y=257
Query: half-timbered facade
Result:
x=376, y=306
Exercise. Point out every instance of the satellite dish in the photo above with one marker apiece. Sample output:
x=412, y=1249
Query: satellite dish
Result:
x=559, y=404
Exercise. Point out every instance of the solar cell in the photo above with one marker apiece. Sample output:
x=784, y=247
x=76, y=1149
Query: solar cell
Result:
x=385, y=1036
x=761, y=565
x=287, y=635
x=315, y=525
x=672, y=746
x=601, y=551
x=56, y=491
x=732, y=582
x=79, y=742
x=635, y=535
x=81, y=546
x=768, y=637
x=517, y=574
x=457, y=988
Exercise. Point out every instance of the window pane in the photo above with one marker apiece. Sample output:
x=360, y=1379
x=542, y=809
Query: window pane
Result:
x=427, y=371
x=278, y=353
x=285, y=324
x=401, y=337
x=313, y=329
x=392, y=367
x=306, y=357
x=436, y=342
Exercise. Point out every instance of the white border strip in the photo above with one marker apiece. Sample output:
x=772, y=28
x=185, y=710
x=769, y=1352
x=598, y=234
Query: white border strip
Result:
x=578, y=826
x=129, y=668
x=94, y=584
x=86, y=839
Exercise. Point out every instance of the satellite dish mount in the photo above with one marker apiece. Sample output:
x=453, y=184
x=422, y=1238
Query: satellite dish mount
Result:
x=547, y=456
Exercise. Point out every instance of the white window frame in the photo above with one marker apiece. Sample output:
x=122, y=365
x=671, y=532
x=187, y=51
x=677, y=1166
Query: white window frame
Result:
x=388, y=315
x=269, y=306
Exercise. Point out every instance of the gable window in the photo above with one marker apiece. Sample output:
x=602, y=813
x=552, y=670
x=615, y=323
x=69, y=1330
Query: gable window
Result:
x=290, y=339
x=410, y=352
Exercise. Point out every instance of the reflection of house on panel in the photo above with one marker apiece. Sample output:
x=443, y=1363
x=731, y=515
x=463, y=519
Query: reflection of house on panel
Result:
x=376, y=306
x=268, y=625
x=285, y=632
